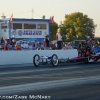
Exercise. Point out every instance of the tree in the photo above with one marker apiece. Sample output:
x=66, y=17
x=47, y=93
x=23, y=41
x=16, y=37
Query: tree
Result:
x=78, y=26
x=63, y=31
x=53, y=30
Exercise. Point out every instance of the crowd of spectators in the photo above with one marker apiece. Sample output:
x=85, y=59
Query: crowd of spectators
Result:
x=11, y=44
x=90, y=42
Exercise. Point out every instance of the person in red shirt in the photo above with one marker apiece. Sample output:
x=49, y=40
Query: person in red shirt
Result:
x=6, y=44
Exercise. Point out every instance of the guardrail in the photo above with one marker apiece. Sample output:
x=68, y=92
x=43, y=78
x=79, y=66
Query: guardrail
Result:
x=24, y=57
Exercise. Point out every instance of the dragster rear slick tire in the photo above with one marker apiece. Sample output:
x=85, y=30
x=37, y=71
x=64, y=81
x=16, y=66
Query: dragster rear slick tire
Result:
x=54, y=60
x=36, y=61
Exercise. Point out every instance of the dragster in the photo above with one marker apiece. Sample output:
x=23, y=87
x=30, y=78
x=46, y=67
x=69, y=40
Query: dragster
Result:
x=55, y=60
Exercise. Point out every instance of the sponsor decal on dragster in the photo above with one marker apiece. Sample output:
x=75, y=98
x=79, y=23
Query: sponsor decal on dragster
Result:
x=29, y=32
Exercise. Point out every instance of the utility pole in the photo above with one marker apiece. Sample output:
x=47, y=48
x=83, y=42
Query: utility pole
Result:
x=32, y=13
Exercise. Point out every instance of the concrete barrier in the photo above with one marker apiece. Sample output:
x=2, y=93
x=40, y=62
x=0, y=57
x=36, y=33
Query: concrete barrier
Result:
x=26, y=56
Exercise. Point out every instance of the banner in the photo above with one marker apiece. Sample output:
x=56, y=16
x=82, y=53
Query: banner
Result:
x=20, y=33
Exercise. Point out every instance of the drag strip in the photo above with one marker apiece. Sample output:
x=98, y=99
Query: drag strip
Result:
x=47, y=78
x=47, y=74
x=47, y=85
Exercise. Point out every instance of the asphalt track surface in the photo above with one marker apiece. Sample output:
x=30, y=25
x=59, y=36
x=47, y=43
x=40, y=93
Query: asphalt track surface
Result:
x=66, y=81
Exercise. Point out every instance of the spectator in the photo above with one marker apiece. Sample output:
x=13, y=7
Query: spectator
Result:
x=52, y=47
x=26, y=46
x=6, y=41
x=80, y=45
x=42, y=47
x=59, y=39
x=63, y=46
x=38, y=47
x=18, y=46
x=10, y=47
x=33, y=46
x=30, y=46
x=55, y=45
x=69, y=46
x=22, y=45
x=66, y=45
x=2, y=40
x=46, y=42
x=6, y=44
x=13, y=42
x=35, y=43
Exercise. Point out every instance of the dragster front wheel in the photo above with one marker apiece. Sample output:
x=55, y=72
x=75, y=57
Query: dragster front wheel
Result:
x=54, y=60
x=36, y=60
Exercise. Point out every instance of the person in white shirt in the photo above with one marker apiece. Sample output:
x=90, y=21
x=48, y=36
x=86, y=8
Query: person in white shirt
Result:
x=59, y=39
x=5, y=41
x=26, y=45
x=22, y=45
x=30, y=46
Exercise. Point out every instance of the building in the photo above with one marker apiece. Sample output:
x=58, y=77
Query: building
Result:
x=24, y=29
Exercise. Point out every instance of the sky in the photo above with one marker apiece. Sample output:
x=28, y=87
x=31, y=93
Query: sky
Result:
x=56, y=8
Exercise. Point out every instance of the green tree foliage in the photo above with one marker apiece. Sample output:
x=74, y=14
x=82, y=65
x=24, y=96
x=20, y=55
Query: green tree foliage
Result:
x=53, y=30
x=78, y=26
x=63, y=31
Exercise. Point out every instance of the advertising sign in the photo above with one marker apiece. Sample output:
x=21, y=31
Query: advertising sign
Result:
x=20, y=33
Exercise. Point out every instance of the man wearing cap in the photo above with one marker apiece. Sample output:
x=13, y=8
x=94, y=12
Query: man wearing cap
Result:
x=59, y=39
